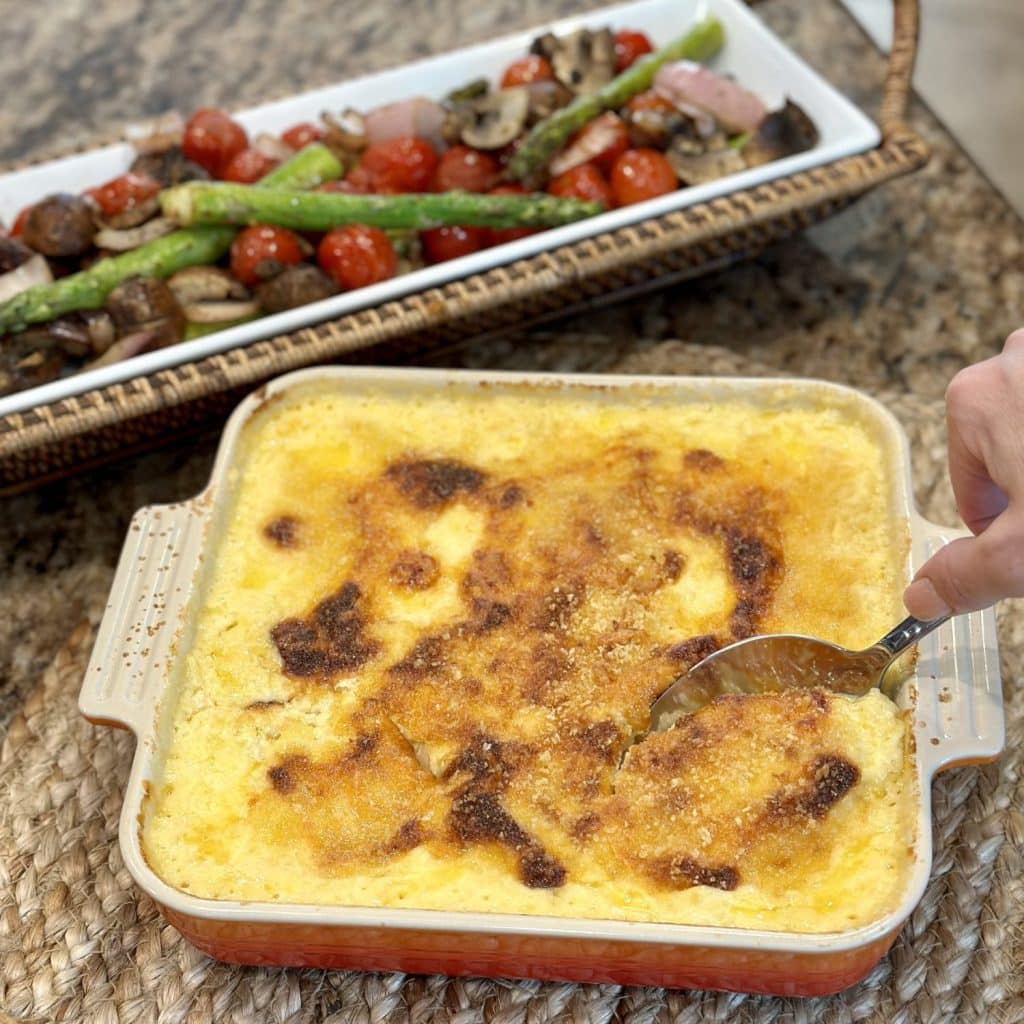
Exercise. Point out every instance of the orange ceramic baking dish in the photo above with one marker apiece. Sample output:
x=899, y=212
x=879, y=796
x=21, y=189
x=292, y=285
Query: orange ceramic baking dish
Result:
x=953, y=698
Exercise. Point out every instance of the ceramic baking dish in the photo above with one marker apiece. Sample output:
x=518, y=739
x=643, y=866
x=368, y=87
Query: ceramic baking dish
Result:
x=954, y=695
x=751, y=52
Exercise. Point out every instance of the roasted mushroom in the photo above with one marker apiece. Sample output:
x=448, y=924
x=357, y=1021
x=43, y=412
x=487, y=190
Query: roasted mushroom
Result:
x=208, y=295
x=114, y=240
x=146, y=304
x=61, y=225
x=78, y=335
x=169, y=167
x=695, y=165
x=584, y=60
x=782, y=133
x=12, y=253
x=294, y=286
x=544, y=99
x=491, y=121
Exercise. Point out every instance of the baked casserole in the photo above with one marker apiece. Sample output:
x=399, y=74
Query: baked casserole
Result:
x=433, y=625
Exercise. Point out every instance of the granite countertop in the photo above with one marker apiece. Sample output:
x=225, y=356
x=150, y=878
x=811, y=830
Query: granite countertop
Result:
x=915, y=281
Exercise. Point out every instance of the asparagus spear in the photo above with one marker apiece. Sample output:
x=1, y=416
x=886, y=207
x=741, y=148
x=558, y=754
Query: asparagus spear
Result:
x=191, y=247
x=227, y=203
x=702, y=41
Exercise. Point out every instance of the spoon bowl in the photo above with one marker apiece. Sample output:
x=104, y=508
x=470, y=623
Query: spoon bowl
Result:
x=786, y=661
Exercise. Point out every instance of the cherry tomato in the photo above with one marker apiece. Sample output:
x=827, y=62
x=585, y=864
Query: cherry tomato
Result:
x=19, y=222
x=641, y=174
x=124, y=193
x=499, y=236
x=465, y=168
x=257, y=249
x=608, y=136
x=212, y=139
x=357, y=256
x=583, y=182
x=403, y=164
x=529, y=69
x=441, y=244
x=248, y=166
x=649, y=100
x=303, y=134
x=630, y=45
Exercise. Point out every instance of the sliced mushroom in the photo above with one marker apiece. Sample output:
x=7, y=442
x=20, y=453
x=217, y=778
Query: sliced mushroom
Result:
x=220, y=312
x=60, y=225
x=158, y=135
x=294, y=286
x=144, y=303
x=493, y=121
x=131, y=238
x=169, y=167
x=131, y=216
x=345, y=134
x=782, y=133
x=76, y=334
x=696, y=167
x=206, y=284
x=12, y=254
x=35, y=270
x=584, y=60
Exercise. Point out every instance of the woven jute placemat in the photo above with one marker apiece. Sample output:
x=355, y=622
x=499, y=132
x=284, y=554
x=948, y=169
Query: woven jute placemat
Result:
x=78, y=942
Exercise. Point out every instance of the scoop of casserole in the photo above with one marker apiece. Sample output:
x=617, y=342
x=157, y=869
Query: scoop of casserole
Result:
x=432, y=628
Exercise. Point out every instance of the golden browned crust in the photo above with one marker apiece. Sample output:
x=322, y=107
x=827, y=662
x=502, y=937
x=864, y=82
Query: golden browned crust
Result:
x=510, y=723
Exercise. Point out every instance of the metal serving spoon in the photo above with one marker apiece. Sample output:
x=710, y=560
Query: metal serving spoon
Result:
x=785, y=661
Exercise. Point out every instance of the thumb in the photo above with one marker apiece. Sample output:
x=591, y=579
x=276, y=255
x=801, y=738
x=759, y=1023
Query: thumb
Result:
x=970, y=573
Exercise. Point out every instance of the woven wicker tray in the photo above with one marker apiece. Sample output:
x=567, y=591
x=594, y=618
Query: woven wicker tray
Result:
x=69, y=435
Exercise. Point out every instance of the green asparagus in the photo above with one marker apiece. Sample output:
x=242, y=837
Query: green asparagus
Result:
x=702, y=41
x=190, y=247
x=227, y=203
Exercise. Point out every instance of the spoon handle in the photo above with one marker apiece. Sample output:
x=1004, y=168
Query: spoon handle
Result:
x=908, y=632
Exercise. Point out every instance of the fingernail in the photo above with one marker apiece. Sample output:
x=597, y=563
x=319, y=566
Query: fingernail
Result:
x=923, y=600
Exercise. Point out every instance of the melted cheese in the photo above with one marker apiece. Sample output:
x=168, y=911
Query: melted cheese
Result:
x=432, y=628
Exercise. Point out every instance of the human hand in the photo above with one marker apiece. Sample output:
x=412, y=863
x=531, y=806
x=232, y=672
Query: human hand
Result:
x=985, y=418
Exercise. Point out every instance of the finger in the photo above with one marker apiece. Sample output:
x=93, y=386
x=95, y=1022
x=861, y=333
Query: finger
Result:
x=970, y=398
x=971, y=573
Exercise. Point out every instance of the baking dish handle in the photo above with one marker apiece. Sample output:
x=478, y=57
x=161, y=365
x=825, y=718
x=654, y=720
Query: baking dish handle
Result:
x=144, y=616
x=959, y=705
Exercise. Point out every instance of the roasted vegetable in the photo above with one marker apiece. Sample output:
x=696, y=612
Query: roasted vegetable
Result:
x=60, y=226
x=226, y=203
x=89, y=288
x=702, y=41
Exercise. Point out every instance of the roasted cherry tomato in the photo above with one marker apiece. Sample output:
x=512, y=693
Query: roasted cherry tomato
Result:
x=357, y=256
x=629, y=45
x=124, y=193
x=499, y=236
x=260, y=251
x=467, y=169
x=608, y=136
x=19, y=222
x=248, y=166
x=526, y=70
x=303, y=134
x=441, y=244
x=649, y=100
x=641, y=174
x=212, y=139
x=404, y=164
x=583, y=182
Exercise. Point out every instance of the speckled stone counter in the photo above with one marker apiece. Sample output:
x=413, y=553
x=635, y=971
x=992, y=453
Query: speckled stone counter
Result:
x=896, y=294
